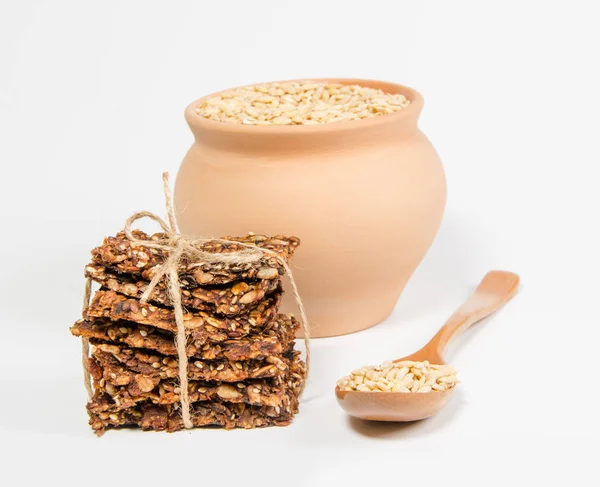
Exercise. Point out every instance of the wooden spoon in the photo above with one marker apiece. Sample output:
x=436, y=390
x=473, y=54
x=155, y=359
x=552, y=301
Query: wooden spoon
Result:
x=496, y=288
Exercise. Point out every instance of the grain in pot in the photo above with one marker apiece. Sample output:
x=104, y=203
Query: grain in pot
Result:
x=299, y=103
x=405, y=376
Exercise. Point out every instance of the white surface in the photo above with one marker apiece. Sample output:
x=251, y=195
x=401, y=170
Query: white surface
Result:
x=91, y=111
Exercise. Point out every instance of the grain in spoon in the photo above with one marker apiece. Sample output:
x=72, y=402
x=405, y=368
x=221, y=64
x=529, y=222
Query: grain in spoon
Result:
x=496, y=289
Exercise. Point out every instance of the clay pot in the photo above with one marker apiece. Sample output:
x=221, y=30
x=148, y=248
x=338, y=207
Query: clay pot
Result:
x=365, y=197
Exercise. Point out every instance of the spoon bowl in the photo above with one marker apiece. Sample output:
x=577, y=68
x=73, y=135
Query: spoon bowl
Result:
x=392, y=406
x=496, y=288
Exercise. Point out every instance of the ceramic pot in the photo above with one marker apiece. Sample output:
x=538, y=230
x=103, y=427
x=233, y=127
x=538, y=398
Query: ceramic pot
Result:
x=365, y=198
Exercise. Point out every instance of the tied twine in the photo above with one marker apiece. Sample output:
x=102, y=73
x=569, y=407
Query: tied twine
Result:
x=177, y=247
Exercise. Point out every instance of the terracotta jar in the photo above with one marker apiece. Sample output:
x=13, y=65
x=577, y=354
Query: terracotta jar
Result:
x=365, y=198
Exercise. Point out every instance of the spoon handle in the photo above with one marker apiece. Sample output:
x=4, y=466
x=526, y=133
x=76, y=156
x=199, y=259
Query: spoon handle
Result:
x=495, y=290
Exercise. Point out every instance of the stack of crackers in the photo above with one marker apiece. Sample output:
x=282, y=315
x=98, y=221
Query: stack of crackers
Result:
x=243, y=370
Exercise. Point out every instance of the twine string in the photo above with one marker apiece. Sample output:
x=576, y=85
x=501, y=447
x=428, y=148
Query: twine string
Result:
x=85, y=343
x=178, y=248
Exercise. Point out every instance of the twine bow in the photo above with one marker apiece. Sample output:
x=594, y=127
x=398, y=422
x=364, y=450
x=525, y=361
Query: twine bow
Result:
x=179, y=247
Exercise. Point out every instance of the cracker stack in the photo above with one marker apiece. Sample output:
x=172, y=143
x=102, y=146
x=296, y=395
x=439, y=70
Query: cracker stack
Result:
x=243, y=369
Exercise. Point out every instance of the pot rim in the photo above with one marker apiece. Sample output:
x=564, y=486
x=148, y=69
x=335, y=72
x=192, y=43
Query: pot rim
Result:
x=198, y=122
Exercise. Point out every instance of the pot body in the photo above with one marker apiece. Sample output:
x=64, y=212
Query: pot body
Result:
x=365, y=198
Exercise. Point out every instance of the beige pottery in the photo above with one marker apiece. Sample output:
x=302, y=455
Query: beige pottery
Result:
x=365, y=198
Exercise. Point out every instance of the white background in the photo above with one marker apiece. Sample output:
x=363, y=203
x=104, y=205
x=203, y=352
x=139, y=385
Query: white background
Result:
x=91, y=112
